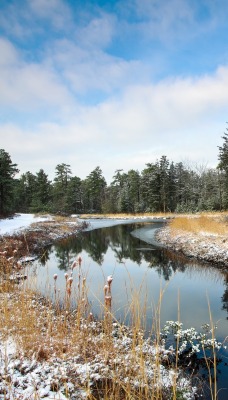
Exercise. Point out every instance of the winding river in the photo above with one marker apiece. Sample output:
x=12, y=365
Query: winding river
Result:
x=147, y=280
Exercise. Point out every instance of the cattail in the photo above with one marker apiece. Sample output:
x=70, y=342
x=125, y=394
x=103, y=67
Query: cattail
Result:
x=74, y=265
x=106, y=289
x=108, y=301
x=109, y=280
x=66, y=276
x=55, y=276
x=70, y=281
x=79, y=260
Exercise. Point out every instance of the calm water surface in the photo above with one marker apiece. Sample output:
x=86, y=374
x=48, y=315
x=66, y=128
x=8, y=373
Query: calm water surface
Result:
x=141, y=272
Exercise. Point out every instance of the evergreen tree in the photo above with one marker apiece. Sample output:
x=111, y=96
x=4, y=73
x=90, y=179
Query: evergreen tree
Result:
x=74, y=196
x=223, y=166
x=42, y=195
x=61, y=181
x=7, y=172
x=94, y=191
x=134, y=191
x=24, y=192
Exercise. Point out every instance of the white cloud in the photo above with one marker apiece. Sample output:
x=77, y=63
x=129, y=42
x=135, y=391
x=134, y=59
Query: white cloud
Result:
x=181, y=118
x=56, y=12
x=88, y=70
x=25, y=86
x=132, y=120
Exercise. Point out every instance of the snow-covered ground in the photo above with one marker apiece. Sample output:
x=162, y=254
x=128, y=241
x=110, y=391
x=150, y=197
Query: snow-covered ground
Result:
x=203, y=245
x=18, y=222
x=22, y=221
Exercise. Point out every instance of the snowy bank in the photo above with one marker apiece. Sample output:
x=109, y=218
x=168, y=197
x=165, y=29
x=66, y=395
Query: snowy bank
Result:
x=18, y=222
x=203, y=246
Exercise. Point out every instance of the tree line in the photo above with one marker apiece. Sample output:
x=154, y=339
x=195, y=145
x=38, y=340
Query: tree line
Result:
x=162, y=186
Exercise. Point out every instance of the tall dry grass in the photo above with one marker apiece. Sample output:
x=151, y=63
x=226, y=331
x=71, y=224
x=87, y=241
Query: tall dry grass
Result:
x=210, y=223
x=46, y=328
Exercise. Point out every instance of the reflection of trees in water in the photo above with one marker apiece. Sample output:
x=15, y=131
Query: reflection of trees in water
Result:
x=44, y=257
x=96, y=244
x=66, y=251
x=166, y=263
x=225, y=295
x=125, y=246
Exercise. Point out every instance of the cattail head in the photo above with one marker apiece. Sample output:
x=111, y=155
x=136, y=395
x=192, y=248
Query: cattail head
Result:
x=109, y=280
x=74, y=264
x=55, y=276
x=79, y=260
x=70, y=280
x=66, y=276
x=106, y=289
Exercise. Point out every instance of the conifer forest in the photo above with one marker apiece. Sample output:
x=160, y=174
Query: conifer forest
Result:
x=162, y=186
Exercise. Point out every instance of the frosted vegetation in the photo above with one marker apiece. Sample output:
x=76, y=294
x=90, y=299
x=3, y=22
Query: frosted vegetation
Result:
x=56, y=352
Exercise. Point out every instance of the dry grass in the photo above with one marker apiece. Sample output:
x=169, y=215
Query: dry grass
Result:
x=216, y=223
x=126, y=215
x=42, y=330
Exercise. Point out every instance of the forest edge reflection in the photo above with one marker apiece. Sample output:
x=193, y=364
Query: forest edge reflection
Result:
x=134, y=241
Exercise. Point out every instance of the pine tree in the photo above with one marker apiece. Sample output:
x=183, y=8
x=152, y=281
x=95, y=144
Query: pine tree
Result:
x=94, y=191
x=42, y=194
x=61, y=181
x=223, y=166
x=74, y=196
x=24, y=192
x=7, y=172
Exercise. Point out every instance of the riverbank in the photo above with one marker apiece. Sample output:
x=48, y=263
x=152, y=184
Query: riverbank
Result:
x=70, y=357
x=202, y=245
x=53, y=352
x=30, y=241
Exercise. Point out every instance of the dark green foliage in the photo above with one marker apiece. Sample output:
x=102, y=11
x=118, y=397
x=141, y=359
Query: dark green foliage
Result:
x=7, y=172
x=60, y=186
x=162, y=186
x=74, y=196
x=94, y=191
x=223, y=166
x=41, y=200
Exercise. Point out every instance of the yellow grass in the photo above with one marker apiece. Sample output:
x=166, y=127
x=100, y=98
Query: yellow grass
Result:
x=127, y=215
x=43, y=330
x=216, y=223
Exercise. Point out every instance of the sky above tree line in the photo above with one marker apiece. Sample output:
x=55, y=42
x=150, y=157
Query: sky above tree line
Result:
x=112, y=83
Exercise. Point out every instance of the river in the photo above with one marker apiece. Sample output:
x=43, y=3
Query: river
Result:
x=148, y=280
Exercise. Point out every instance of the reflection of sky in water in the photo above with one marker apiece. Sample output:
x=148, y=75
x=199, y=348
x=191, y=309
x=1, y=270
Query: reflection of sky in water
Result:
x=188, y=289
x=192, y=289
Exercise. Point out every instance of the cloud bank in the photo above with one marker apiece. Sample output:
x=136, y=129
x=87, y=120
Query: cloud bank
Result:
x=92, y=85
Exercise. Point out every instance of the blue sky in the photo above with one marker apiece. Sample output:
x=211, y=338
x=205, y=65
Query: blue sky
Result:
x=115, y=84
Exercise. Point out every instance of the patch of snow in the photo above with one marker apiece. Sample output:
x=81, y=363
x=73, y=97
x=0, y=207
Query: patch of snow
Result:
x=20, y=221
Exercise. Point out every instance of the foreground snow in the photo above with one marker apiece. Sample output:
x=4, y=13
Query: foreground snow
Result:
x=23, y=378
